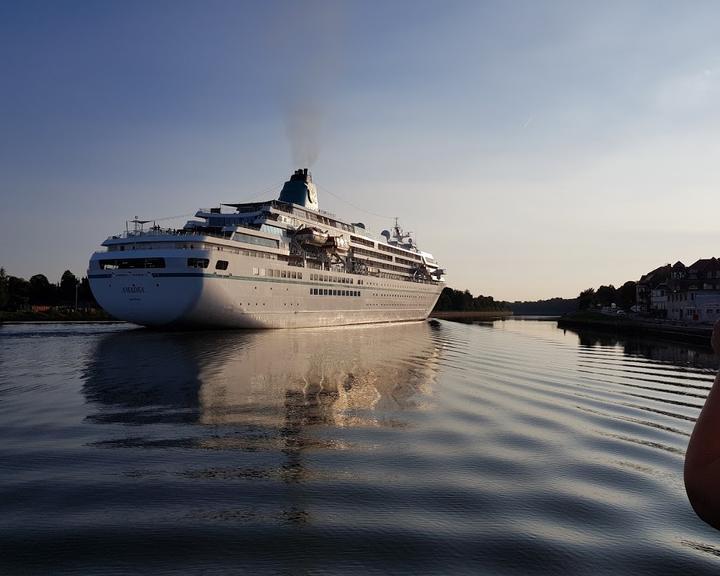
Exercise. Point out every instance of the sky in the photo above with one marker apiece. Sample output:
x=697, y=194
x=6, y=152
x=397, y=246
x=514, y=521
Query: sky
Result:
x=535, y=148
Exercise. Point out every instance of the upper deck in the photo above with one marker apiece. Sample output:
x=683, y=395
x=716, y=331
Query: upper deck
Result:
x=274, y=227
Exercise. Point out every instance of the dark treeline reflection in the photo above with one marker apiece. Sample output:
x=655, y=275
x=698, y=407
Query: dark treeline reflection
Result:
x=652, y=349
x=270, y=380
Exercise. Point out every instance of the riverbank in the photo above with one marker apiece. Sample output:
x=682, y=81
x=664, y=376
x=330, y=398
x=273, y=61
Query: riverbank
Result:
x=56, y=315
x=638, y=327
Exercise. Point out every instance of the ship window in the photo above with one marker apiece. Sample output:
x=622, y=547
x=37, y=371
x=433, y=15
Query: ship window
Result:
x=283, y=274
x=198, y=262
x=294, y=275
x=271, y=230
x=132, y=263
x=262, y=271
x=255, y=271
x=221, y=265
x=324, y=291
x=299, y=275
x=249, y=239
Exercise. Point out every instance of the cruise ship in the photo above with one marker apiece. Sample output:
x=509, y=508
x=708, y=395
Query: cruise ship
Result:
x=275, y=264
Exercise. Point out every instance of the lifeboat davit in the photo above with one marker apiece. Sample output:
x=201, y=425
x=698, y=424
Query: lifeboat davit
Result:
x=338, y=244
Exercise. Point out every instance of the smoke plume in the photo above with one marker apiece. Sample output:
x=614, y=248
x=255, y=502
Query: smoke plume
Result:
x=309, y=41
x=304, y=121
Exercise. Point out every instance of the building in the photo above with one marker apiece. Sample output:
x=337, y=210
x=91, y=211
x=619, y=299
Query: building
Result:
x=682, y=293
x=648, y=288
x=658, y=300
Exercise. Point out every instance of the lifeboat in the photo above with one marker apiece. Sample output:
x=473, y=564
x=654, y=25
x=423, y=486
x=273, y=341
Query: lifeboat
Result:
x=311, y=236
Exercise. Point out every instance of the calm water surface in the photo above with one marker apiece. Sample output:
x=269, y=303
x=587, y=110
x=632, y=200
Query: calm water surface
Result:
x=428, y=448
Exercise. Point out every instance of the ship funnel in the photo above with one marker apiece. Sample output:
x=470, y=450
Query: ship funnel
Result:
x=300, y=190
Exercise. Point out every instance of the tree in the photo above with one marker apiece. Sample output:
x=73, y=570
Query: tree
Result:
x=586, y=298
x=4, y=292
x=41, y=291
x=626, y=295
x=445, y=301
x=68, y=284
x=18, y=292
x=606, y=295
x=85, y=295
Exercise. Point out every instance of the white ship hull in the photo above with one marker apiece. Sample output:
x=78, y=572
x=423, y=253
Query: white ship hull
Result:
x=247, y=297
x=273, y=264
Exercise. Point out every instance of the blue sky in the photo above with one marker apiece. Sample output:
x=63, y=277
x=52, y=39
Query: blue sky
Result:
x=536, y=148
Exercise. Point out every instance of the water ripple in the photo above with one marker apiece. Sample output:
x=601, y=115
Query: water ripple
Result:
x=431, y=448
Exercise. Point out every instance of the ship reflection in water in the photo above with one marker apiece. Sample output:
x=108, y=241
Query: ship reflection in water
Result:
x=261, y=390
x=428, y=448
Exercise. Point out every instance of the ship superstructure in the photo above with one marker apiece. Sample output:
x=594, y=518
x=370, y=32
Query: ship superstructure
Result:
x=274, y=264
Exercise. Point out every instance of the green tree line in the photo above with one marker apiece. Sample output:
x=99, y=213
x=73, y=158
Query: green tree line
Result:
x=452, y=300
x=623, y=297
x=548, y=307
x=19, y=294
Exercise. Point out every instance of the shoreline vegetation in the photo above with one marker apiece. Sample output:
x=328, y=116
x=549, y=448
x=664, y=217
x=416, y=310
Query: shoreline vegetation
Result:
x=462, y=306
x=39, y=300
